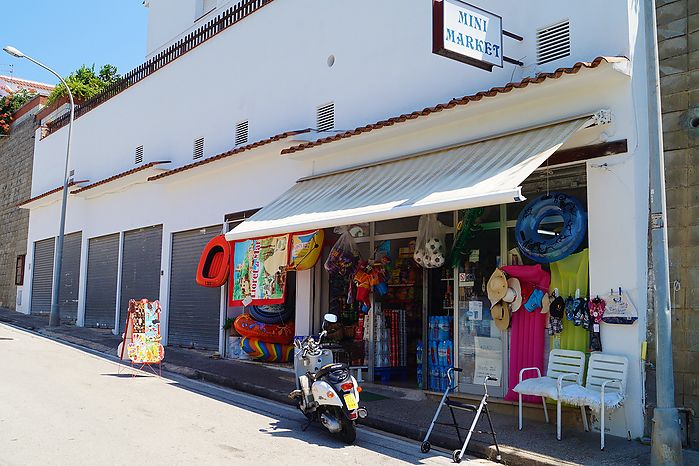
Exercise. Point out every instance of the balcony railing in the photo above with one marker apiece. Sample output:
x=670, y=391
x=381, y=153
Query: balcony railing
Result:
x=223, y=21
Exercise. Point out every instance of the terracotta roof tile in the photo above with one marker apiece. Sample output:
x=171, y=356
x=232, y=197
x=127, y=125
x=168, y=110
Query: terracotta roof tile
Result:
x=119, y=175
x=27, y=83
x=539, y=78
x=48, y=193
x=231, y=152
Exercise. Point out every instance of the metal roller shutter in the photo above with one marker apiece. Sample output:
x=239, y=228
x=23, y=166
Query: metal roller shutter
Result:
x=70, y=277
x=42, y=276
x=102, y=270
x=194, y=309
x=140, y=267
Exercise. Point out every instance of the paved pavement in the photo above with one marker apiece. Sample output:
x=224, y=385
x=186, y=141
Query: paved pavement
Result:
x=64, y=405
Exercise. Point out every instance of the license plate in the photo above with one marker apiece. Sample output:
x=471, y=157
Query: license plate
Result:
x=351, y=402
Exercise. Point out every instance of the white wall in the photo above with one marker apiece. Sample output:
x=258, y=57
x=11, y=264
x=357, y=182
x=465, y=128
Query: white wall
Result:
x=271, y=68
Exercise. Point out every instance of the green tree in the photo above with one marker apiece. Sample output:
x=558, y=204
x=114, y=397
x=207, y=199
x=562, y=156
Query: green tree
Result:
x=85, y=82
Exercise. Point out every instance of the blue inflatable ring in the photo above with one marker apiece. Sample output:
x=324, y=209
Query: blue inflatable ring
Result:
x=551, y=248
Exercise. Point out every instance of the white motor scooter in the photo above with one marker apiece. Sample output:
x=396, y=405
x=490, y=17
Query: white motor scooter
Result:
x=325, y=391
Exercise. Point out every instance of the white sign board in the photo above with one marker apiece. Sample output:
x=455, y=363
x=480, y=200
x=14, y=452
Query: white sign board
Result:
x=467, y=34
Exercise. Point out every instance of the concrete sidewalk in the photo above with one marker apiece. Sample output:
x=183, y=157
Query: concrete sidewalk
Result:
x=402, y=412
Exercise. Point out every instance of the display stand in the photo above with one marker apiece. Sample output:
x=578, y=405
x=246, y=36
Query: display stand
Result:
x=141, y=337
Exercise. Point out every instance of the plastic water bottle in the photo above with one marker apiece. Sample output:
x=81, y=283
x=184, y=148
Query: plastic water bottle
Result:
x=419, y=353
x=442, y=353
x=449, y=353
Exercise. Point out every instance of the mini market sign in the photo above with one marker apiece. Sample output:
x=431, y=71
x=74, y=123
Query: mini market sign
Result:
x=467, y=33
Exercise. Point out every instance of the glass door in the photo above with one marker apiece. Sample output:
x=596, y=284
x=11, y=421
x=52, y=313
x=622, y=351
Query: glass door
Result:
x=481, y=345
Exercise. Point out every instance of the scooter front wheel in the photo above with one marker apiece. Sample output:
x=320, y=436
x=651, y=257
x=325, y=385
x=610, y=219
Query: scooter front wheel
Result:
x=425, y=447
x=456, y=456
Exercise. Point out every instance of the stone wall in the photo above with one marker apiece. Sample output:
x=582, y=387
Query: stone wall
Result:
x=678, y=49
x=16, y=158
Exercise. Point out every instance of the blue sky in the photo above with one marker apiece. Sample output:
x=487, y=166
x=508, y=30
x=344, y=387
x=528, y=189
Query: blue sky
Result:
x=68, y=33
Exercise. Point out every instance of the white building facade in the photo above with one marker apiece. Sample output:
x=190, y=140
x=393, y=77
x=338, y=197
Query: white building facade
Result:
x=232, y=124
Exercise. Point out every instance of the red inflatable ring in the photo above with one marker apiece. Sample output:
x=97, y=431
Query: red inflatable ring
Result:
x=213, y=264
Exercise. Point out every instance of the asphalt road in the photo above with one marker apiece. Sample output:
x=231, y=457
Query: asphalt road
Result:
x=61, y=405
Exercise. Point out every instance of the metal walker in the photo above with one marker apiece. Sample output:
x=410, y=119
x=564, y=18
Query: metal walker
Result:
x=457, y=455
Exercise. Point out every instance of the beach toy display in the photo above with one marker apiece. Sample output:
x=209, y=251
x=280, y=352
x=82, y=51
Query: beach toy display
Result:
x=541, y=245
x=212, y=270
x=305, y=249
x=264, y=351
x=246, y=326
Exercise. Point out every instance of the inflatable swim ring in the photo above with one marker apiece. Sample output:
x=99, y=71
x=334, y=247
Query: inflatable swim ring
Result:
x=263, y=351
x=272, y=314
x=545, y=248
x=213, y=265
x=246, y=326
x=305, y=249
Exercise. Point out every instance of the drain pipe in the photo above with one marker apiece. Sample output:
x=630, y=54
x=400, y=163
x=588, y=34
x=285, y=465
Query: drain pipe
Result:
x=666, y=446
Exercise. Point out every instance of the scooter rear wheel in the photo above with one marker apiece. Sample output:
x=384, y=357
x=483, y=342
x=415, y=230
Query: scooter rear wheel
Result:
x=348, y=434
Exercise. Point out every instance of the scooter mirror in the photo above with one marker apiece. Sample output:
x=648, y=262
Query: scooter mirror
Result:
x=331, y=318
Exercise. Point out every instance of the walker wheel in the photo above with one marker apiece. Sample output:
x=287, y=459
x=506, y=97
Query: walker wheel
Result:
x=425, y=447
x=456, y=456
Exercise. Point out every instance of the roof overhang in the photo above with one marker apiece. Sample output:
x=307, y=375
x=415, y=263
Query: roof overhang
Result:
x=272, y=145
x=49, y=197
x=123, y=180
x=601, y=71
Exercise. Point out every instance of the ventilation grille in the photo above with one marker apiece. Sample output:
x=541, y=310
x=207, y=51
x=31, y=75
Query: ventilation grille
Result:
x=326, y=117
x=198, y=148
x=241, y=133
x=139, y=155
x=553, y=42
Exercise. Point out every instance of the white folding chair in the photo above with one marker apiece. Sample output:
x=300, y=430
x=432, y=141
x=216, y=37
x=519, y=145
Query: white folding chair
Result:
x=564, y=367
x=605, y=388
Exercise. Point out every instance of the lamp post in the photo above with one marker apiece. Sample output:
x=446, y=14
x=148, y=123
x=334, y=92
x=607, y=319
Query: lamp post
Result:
x=55, y=316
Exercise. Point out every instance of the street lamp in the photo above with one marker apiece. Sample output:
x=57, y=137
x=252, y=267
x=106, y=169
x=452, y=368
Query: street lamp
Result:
x=55, y=316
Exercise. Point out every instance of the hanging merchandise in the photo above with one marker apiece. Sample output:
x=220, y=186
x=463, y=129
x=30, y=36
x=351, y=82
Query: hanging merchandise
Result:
x=544, y=246
x=368, y=277
x=569, y=277
x=430, y=248
x=259, y=271
x=619, y=308
x=466, y=230
x=305, y=249
x=597, y=307
x=529, y=325
x=557, y=309
x=343, y=256
x=212, y=270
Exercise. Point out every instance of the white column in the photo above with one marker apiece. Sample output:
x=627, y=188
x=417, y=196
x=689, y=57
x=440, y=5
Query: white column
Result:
x=120, y=259
x=304, y=302
x=82, y=280
x=164, y=295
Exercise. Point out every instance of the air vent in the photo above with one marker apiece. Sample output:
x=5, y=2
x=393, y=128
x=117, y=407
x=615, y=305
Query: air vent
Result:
x=241, y=133
x=198, y=148
x=553, y=42
x=326, y=117
x=139, y=155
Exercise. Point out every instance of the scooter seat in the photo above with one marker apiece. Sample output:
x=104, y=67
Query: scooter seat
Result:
x=329, y=368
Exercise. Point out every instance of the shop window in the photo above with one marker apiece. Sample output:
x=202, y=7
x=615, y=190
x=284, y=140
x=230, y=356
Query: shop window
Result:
x=19, y=270
x=397, y=225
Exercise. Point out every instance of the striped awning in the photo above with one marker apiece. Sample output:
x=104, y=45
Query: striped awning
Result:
x=478, y=174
